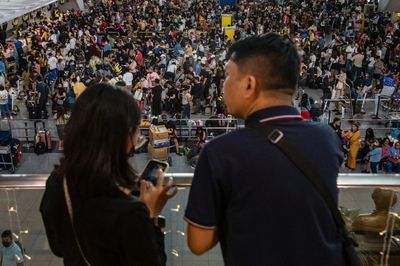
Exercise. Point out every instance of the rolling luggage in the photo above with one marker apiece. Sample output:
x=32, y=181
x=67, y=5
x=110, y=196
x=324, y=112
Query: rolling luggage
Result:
x=42, y=139
x=33, y=110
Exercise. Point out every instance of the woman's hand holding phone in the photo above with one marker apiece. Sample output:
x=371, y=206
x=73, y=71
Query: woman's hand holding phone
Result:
x=156, y=196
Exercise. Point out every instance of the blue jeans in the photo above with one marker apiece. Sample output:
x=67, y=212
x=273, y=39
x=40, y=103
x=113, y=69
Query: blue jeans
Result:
x=4, y=110
x=373, y=167
x=186, y=111
x=392, y=167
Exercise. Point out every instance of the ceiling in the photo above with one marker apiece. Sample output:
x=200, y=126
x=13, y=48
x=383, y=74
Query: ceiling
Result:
x=10, y=9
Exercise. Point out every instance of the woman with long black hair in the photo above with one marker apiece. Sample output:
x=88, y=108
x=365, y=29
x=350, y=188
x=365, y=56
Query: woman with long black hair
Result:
x=90, y=215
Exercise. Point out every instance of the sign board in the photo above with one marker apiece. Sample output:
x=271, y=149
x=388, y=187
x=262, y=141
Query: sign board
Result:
x=229, y=33
x=226, y=20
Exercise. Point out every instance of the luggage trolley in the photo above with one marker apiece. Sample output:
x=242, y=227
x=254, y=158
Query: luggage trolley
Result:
x=10, y=148
x=6, y=158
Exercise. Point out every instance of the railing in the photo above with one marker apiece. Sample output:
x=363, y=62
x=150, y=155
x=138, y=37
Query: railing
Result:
x=28, y=181
x=20, y=197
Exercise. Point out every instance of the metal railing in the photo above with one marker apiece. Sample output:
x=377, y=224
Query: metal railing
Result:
x=30, y=181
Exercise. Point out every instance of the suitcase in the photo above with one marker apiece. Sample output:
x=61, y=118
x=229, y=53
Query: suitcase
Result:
x=33, y=110
x=42, y=139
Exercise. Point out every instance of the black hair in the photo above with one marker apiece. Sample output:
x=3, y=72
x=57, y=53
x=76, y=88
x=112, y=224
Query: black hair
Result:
x=60, y=112
x=1, y=88
x=96, y=140
x=7, y=233
x=304, y=100
x=271, y=58
x=369, y=134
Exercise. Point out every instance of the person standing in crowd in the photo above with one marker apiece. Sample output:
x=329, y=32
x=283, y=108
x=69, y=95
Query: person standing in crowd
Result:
x=305, y=107
x=336, y=126
x=10, y=253
x=353, y=144
x=156, y=98
x=237, y=191
x=43, y=95
x=105, y=224
x=5, y=112
x=385, y=153
x=393, y=162
x=186, y=102
x=61, y=120
x=375, y=156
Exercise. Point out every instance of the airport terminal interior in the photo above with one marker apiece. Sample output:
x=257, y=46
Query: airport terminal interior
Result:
x=170, y=56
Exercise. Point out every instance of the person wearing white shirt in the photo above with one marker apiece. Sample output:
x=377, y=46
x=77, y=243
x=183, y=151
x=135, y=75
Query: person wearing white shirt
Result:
x=54, y=37
x=171, y=69
x=72, y=43
x=5, y=112
x=128, y=79
x=350, y=50
x=2, y=80
x=371, y=65
x=52, y=62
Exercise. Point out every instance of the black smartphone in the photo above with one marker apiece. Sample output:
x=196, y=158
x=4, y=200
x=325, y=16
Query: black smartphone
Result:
x=152, y=170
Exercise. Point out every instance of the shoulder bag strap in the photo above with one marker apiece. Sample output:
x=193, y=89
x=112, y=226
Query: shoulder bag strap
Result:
x=71, y=217
x=276, y=137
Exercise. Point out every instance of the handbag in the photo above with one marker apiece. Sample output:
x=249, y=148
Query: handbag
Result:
x=276, y=137
x=71, y=217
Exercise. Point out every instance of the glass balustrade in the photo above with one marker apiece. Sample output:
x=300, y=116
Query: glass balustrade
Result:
x=368, y=203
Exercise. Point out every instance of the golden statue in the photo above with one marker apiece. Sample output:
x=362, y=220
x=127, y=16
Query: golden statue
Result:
x=376, y=232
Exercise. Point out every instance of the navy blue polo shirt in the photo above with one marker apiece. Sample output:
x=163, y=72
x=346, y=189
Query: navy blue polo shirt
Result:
x=265, y=211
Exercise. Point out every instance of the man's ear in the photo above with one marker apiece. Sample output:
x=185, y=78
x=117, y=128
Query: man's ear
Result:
x=250, y=89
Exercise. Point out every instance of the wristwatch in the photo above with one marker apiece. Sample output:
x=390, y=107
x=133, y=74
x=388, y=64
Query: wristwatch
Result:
x=159, y=221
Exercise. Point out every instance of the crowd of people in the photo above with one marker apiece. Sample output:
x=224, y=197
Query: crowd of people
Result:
x=170, y=55
x=372, y=152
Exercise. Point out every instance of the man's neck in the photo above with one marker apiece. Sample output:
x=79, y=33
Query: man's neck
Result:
x=266, y=102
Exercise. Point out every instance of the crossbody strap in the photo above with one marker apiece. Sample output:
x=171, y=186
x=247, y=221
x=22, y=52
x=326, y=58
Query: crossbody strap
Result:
x=276, y=137
x=71, y=217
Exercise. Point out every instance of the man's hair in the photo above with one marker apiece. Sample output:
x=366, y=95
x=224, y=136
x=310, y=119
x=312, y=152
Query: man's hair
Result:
x=6, y=233
x=272, y=59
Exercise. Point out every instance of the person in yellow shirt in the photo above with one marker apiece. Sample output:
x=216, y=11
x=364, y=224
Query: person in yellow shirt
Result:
x=353, y=137
x=45, y=36
x=79, y=87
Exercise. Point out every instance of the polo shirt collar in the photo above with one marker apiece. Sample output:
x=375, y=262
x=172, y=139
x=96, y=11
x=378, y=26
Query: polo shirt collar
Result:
x=274, y=113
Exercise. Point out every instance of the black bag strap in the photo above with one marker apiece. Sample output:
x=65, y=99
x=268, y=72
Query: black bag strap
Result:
x=276, y=137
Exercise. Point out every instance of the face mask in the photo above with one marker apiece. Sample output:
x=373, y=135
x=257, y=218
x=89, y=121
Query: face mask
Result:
x=6, y=244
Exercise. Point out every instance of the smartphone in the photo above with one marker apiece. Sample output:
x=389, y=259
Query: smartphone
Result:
x=152, y=170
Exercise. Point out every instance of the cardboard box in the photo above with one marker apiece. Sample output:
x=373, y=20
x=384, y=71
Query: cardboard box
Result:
x=157, y=153
x=160, y=143
x=158, y=133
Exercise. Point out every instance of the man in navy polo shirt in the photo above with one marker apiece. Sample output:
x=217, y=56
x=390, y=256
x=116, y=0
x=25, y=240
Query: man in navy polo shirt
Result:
x=246, y=194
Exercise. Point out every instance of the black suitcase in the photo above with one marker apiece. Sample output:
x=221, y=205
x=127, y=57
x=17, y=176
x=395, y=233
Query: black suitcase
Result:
x=33, y=110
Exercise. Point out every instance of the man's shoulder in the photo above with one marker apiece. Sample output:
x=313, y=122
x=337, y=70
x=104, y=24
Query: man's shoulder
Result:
x=231, y=139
